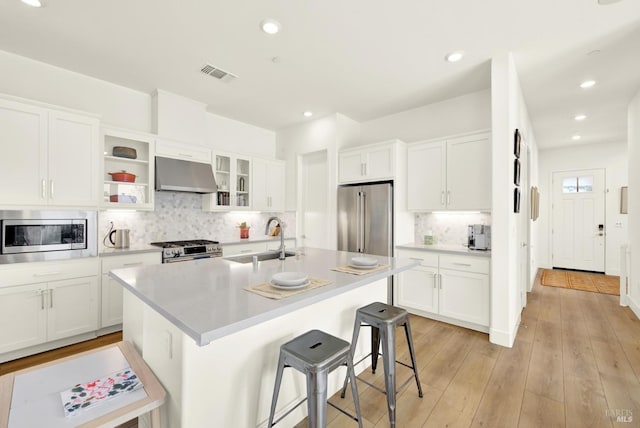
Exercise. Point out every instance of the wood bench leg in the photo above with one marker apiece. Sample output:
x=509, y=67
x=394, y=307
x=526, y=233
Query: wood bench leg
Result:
x=155, y=418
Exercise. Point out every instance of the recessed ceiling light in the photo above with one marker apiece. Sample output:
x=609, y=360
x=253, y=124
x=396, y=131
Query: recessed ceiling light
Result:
x=32, y=3
x=270, y=26
x=454, y=56
x=587, y=84
x=576, y=137
x=308, y=114
x=580, y=117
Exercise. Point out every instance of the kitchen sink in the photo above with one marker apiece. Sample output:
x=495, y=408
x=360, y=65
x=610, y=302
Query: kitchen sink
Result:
x=267, y=255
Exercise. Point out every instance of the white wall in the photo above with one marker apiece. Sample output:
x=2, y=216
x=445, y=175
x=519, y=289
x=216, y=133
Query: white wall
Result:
x=610, y=156
x=466, y=113
x=634, y=202
x=118, y=106
x=233, y=136
x=509, y=112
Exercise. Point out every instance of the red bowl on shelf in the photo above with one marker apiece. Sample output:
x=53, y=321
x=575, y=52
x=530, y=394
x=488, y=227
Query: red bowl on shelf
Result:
x=123, y=176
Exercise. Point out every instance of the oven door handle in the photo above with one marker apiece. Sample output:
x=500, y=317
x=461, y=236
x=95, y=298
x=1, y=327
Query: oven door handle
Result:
x=201, y=257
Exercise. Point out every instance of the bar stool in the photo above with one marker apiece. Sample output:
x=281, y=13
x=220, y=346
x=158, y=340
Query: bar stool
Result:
x=383, y=320
x=315, y=354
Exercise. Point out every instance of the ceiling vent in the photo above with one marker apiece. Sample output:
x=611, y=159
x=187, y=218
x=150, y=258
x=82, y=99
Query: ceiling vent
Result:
x=219, y=74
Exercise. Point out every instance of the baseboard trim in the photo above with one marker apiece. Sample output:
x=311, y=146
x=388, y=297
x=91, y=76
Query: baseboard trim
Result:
x=634, y=306
x=503, y=337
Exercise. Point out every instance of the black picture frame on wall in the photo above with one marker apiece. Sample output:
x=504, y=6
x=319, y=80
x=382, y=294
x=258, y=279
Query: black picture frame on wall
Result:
x=516, y=200
x=516, y=172
x=516, y=144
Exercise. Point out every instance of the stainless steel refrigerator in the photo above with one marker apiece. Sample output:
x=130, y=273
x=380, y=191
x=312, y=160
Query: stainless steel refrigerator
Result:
x=365, y=218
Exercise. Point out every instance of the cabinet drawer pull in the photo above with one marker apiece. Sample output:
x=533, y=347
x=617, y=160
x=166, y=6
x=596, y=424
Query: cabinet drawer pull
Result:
x=416, y=258
x=50, y=298
x=47, y=273
x=246, y=251
x=133, y=264
x=51, y=189
x=462, y=264
x=187, y=155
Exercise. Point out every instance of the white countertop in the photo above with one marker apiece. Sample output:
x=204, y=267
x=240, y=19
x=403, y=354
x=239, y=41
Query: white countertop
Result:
x=206, y=300
x=456, y=249
x=134, y=249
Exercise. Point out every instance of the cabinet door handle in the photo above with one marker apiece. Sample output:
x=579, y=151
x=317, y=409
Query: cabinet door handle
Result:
x=51, y=189
x=133, y=264
x=42, y=300
x=462, y=264
x=50, y=298
x=448, y=197
x=47, y=273
x=442, y=198
x=44, y=189
x=440, y=280
x=365, y=169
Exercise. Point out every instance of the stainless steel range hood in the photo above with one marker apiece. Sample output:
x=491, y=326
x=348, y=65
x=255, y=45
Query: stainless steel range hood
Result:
x=184, y=176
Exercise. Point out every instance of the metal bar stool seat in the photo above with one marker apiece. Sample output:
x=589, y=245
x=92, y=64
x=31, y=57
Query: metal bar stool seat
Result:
x=383, y=320
x=315, y=354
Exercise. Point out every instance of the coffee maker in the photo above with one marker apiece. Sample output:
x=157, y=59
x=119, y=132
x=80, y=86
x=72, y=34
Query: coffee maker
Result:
x=479, y=237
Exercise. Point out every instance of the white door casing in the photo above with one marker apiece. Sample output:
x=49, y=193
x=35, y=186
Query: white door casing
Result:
x=313, y=200
x=578, y=220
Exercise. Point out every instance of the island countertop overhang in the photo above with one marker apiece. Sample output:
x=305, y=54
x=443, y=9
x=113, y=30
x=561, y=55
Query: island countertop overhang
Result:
x=206, y=298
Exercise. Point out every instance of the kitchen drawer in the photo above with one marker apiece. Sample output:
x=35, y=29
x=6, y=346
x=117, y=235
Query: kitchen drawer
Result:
x=249, y=247
x=130, y=260
x=37, y=272
x=427, y=258
x=465, y=263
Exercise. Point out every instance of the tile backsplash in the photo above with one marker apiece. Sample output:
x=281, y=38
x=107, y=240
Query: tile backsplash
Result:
x=448, y=228
x=179, y=215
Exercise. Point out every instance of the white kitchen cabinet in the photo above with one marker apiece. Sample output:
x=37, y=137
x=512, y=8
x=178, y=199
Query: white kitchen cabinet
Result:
x=256, y=247
x=111, y=290
x=178, y=150
x=446, y=287
x=138, y=195
x=72, y=307
x=47, y=301
x=52, y=157
x=268, y=184
x=23, y=317
x=234, y=179
x=367, y=163
x=452, y=174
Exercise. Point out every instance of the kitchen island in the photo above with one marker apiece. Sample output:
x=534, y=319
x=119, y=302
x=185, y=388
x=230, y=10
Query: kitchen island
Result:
x=214, y=345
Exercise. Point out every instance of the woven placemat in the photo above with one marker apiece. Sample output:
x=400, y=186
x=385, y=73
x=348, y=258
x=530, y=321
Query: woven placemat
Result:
x=265, y=289
x=356, y=271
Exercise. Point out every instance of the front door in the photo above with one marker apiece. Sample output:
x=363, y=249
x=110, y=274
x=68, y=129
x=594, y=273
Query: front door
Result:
x=578, y=213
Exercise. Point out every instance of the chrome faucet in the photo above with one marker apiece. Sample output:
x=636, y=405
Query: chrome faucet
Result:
x=281, y=224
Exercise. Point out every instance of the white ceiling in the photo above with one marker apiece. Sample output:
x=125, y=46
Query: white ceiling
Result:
x=365, y=59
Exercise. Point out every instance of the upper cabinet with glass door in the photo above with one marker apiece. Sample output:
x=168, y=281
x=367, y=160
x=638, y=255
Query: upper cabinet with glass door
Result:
x=127, y=169
x=233, y=177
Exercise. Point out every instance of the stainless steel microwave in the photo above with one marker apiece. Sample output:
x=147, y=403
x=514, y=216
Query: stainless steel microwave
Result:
x=47, y=235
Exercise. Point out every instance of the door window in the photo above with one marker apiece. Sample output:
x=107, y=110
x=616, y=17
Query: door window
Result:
x=582, y=184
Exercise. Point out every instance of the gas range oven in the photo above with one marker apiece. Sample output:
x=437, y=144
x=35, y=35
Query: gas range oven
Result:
x=182, y=251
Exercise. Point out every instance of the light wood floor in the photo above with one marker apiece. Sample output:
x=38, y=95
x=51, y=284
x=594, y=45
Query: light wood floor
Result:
x=575, y=361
